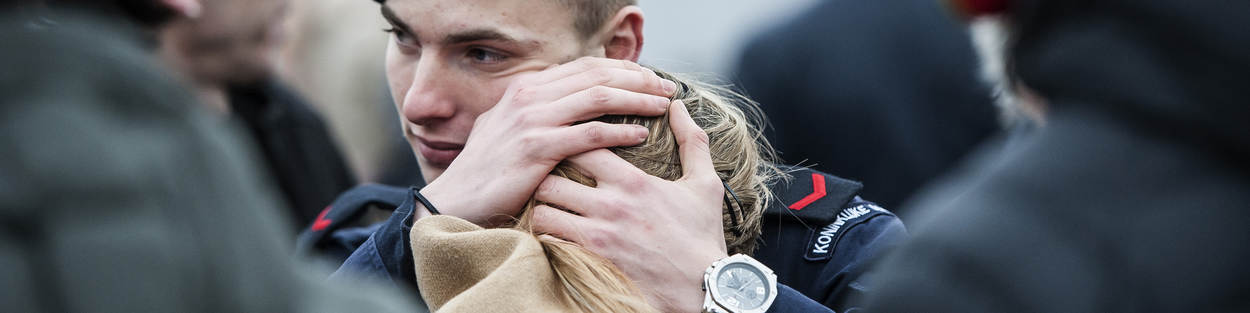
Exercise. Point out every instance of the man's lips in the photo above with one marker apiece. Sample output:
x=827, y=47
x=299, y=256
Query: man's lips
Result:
x=438, y=152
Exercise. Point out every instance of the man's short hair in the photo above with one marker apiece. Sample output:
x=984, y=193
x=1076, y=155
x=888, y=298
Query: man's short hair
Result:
x=590, y=15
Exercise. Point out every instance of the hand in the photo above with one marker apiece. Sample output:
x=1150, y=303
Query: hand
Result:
x=516, y=143
x=662, y=234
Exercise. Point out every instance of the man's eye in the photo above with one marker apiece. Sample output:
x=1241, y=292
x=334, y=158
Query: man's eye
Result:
x=486, y=56
x=401, y=37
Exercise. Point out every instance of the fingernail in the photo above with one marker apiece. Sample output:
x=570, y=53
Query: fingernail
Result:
x=669, y=86
x=662, y=103
x=641, y=133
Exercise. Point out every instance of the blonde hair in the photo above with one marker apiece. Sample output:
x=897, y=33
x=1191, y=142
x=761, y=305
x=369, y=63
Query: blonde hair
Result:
x=742, y=158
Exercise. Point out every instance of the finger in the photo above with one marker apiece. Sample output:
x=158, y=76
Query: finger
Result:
x=580, y=65
x=693, y=144
x=580, y=138
x=566, y=193
x=644, y=81
x=603, y=100
x=604, y=166
x=550, y=220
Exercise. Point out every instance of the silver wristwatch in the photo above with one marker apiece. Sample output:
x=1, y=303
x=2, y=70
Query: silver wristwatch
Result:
x=738, y=284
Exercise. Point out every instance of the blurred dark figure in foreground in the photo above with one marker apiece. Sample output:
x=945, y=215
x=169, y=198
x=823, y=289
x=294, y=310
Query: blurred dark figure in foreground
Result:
x=227, y=54
x=120, y=193
x=1133, y=197
x=880, y=91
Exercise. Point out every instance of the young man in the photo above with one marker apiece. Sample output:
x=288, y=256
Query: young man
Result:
x=491, y=94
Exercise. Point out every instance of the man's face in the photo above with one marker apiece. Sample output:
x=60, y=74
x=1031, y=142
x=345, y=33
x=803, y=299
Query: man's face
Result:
x=451, y=60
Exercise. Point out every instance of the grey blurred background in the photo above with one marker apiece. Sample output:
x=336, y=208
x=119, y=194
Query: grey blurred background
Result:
x=706, y=36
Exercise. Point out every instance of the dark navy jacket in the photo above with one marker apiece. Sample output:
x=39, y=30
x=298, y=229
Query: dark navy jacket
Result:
x=819, y=237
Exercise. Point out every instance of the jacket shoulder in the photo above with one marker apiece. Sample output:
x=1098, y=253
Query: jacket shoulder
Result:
x=346, y=210
x=811, y=196
x=827, y=208
x=820, y=236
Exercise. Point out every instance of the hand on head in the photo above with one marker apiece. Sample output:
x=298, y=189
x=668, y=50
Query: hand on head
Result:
x=661, y=233
x=536, y=125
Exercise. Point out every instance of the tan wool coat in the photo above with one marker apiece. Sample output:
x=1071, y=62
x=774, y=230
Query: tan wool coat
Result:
x=462, y=267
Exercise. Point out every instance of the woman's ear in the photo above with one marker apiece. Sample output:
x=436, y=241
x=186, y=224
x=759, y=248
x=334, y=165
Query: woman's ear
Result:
x=622, y=35
x=186, y=8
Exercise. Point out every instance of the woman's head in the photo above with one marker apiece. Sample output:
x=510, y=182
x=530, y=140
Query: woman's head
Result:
x=741, y=157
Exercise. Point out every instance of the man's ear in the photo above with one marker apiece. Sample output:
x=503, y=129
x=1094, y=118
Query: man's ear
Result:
x=622, y=35
x=186, y=8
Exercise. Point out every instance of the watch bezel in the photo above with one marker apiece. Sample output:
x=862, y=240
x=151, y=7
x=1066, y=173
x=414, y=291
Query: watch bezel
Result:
x=711, y=276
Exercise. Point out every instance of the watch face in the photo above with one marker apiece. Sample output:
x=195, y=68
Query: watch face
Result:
x=742, y=286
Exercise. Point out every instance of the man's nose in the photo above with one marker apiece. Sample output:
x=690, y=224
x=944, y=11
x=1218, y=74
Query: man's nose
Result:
x=429, y=98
